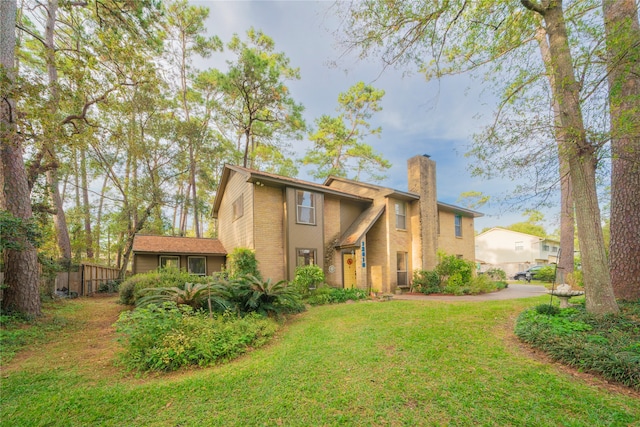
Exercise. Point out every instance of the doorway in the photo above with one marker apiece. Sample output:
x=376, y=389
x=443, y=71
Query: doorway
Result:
x=349, y=270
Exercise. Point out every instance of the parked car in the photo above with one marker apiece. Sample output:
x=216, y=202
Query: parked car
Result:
x=522, y=275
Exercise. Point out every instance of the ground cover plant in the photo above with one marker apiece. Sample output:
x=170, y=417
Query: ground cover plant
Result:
x=609, y=345
x=397, y=363
x=171, y=336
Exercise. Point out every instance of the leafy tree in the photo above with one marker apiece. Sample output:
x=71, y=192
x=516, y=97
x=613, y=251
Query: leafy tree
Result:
x=21, y=291
x=185, y=26
x=462, y=36
x=256, y=104
x=531, y=225
x=338, y=141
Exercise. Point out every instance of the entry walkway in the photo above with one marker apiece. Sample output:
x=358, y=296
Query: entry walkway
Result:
x=515, y=290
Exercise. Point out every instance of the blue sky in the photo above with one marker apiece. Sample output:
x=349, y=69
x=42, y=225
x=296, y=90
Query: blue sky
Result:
x=435, y=118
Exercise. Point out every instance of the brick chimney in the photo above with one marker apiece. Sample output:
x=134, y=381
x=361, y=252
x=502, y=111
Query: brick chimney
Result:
x=422, y=180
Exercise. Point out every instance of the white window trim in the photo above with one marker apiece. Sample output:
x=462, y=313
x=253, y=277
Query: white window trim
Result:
x=189, y=265
x=312, y=208
x=399, y=215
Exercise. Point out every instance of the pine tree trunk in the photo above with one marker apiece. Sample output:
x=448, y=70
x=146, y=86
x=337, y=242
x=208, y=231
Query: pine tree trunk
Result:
x=581, y=159
x=59, y=218
x=623, y=60
x=22, y=275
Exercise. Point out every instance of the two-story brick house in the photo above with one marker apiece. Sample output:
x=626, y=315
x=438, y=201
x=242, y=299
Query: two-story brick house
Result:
x=363, y=235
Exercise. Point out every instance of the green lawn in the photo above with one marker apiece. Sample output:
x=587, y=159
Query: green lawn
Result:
x=369, y=363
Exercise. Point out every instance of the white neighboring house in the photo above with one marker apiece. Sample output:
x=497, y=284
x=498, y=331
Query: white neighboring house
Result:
x=513, y=251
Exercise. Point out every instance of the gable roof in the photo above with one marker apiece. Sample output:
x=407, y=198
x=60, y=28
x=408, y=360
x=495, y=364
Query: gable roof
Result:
x=177, y=245
x=361, y=226
x=259, y=177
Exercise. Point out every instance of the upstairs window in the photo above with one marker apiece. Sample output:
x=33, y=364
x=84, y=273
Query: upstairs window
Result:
x=519, y=246
x=238, y=207
x=458, y=225
x=401, y=216
x=545, y=248
x=306, y=207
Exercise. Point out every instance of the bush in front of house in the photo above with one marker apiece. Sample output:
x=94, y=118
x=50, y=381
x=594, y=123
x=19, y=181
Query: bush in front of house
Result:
x=169, y=337
x=242, y=262
x=308, y=278
x=330, y=295
x=454, y=276
x=132, y=288
x=252, y=294
x=496, y=274
x=607, y=345
x=426, y=281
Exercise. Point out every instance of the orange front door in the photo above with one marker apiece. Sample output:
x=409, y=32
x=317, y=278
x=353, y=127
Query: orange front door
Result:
x=349, y=270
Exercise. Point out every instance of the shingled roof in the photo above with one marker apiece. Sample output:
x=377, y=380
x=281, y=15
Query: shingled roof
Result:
x=177, y=245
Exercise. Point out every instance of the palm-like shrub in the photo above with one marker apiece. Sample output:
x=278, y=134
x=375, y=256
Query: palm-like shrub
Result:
x=265, y=297
x=192, y=294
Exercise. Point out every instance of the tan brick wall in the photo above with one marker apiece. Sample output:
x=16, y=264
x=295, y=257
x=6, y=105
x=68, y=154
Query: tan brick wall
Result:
x=332, y=232
x=377, y=253
x=236, y=233
x=399, y=241
x=269, y=232
x=452, y=245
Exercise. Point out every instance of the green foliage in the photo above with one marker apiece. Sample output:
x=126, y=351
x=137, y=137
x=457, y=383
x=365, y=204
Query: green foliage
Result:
x=170, y=337
x=426, y=281
x=252, y=294
x=453, y=270
x=195, y=295
x=496, y=274
x=549, y=309
x=607, y=345
x=546, y=273
x=15, y=232
x=330, y=295
x=132, y=288
x=242, y=262
x=338, y=148
x=307, y=278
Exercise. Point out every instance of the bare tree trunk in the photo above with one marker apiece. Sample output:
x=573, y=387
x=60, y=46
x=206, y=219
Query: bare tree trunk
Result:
x=59, y=218
x=22, y=276
x=623, y=62
x=86, y=208
x=192, y=174
x=98, y=227
x=581, y=159
x=565, y=264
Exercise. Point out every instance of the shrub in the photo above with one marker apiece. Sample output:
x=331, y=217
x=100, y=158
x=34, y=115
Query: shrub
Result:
x=574, y=279
x=426, y=281
x=546, y=273
x=308, y=277
x=450, y=265
x=547, y=309
x=329, y=295
x=195, y=295
x=482, y=284
x=605, y=344
x=132, y=288
x=169, y=337
x=265, y=297
x=496, y=274
x=242, y=262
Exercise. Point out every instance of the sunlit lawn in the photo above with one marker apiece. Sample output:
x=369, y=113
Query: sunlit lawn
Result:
x=369, y=363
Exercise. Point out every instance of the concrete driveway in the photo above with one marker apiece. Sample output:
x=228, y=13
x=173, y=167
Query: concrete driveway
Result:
x=515, y=290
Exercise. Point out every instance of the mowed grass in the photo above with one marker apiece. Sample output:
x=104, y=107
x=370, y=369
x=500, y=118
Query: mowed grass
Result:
x=364, y=364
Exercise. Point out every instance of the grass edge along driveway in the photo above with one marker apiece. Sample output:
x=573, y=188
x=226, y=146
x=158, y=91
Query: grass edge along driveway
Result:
x=392, y=363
